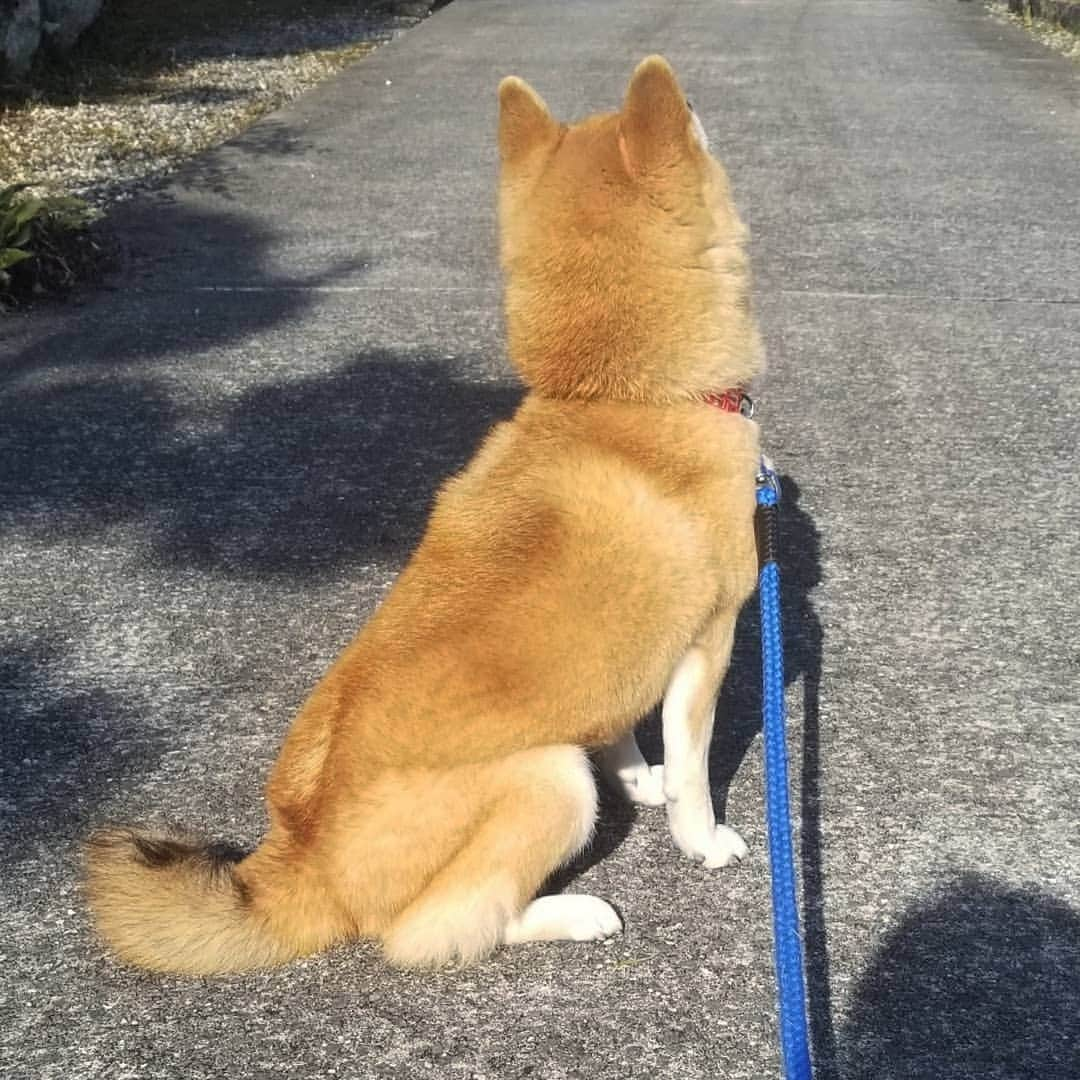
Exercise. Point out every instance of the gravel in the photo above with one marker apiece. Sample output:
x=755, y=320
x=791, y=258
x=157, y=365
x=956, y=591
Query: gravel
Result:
x=108, y=146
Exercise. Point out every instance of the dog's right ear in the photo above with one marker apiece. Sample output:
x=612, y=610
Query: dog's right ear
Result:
x=524, y=120
x=655, y=122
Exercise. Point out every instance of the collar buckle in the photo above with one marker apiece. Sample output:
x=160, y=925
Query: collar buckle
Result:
x=736, y=400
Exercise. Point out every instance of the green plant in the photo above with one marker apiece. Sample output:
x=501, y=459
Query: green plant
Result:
x=42, y=240
x=16, y=227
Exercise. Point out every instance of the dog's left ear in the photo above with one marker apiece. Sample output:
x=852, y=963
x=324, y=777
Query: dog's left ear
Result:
x=655, y=121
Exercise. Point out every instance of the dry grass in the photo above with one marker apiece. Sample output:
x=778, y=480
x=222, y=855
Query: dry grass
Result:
x=1050, y=34
x=151, y=85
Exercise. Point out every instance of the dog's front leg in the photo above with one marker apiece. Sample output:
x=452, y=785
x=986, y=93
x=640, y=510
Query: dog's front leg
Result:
x=688, y=712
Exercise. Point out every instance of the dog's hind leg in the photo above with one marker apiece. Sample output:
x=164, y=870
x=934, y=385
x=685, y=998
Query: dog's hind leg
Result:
x=626, y=770
x=688, y=713
x=541, y=807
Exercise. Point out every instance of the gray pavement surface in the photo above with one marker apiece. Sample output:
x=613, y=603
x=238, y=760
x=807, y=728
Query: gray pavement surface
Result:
x=212, y=468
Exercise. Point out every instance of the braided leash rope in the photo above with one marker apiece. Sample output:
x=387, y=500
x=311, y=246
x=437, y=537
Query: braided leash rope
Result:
x=787, y=943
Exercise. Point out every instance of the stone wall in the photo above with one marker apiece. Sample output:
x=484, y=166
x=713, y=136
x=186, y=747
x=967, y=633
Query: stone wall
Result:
x=28, y=25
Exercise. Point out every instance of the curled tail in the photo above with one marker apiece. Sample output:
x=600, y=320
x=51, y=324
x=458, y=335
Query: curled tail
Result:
x=167, y=903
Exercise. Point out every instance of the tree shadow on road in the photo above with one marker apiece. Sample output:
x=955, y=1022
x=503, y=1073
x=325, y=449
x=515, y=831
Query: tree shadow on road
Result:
x=293, y=479
x=62, y=746
x=296, y=479
x=300, y=481
x=87, y=433
x=308, y=476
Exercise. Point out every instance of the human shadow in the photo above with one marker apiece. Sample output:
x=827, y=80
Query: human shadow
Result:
x=979, y=980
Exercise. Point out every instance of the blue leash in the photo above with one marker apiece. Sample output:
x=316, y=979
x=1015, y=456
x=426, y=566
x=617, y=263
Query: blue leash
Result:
x=787, y=944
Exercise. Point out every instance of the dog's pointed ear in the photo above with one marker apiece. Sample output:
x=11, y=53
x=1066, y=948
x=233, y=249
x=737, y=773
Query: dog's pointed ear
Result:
x=524, y=120
x=655, y=119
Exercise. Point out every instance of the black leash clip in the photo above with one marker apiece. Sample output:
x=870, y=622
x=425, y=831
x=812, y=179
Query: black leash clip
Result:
x=767, y=516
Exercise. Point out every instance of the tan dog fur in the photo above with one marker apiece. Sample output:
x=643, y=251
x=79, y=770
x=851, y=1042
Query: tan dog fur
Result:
x=595, y=552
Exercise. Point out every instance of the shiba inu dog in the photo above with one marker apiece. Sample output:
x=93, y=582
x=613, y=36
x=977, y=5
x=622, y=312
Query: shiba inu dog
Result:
x=589, y=562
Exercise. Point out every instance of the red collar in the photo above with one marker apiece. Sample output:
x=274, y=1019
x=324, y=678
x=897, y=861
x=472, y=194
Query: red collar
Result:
x=735, y=400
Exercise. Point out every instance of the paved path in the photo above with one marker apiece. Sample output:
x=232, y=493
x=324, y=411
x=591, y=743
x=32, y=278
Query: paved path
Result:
x=211, y=471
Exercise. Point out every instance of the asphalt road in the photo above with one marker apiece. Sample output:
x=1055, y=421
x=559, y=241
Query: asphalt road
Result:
x=212, y=468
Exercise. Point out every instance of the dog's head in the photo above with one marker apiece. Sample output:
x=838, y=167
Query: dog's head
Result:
x=626, y=277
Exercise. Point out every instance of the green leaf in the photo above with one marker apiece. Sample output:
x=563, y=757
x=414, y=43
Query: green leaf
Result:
x=7, y=228
x=11, y=256
x=27, y=210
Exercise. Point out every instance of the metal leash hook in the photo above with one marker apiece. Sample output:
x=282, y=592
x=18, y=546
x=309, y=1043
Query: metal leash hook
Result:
x=787, y=943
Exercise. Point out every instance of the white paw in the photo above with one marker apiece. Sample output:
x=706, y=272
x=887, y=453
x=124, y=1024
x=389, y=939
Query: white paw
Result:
x=588, y=918
x=716, y=846
x=643, y=785
x=564, y=918
x=725, y=846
